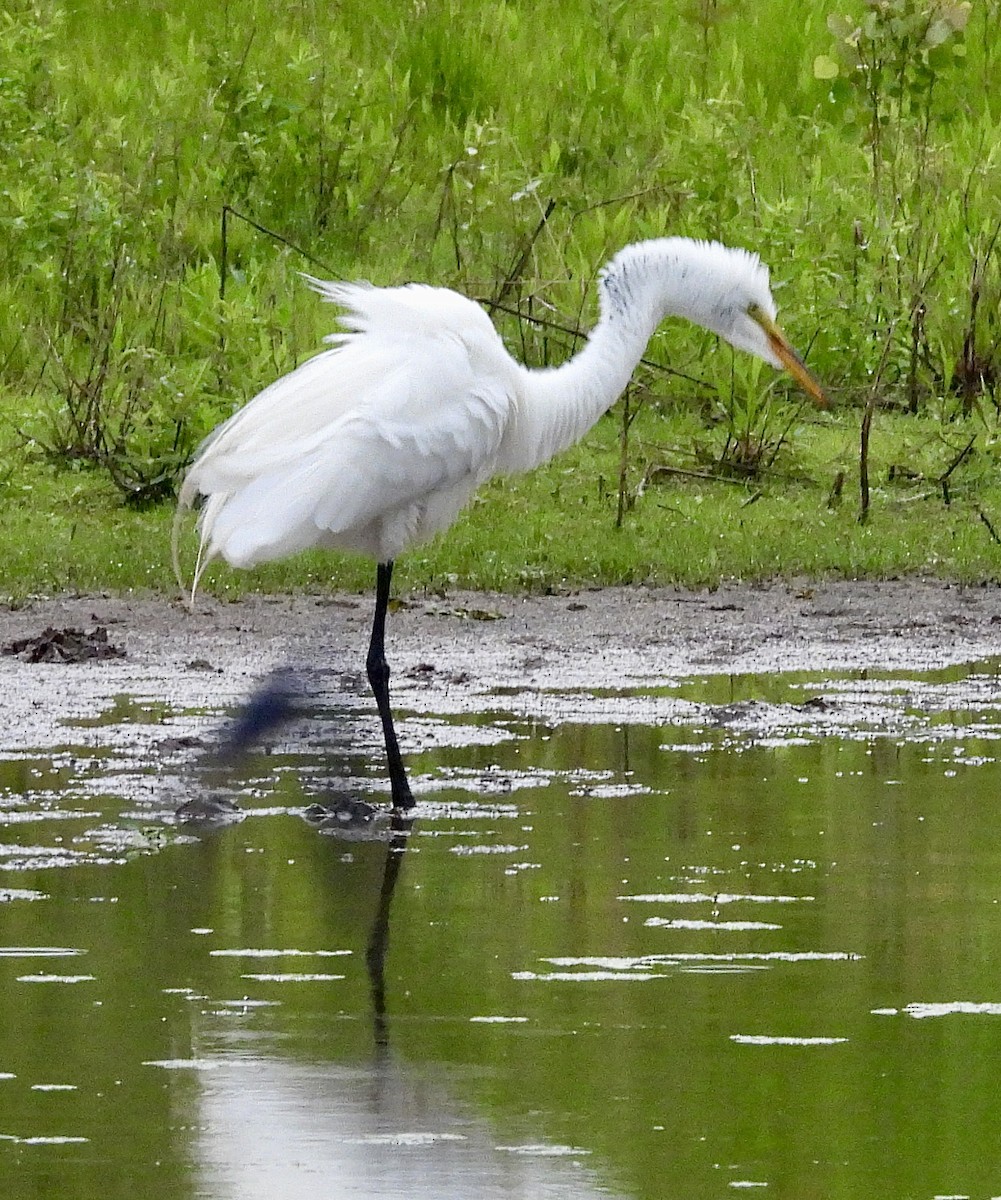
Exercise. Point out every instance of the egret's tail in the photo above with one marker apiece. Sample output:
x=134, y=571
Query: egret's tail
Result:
x=185, y=500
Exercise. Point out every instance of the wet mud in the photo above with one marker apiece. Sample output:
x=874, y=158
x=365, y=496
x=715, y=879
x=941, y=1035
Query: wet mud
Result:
x=459, y=652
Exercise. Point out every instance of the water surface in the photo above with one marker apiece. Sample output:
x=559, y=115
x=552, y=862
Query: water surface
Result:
x=734, y=933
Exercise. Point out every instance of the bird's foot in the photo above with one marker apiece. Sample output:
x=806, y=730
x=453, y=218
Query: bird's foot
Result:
x=341, y=810
x=352, y=819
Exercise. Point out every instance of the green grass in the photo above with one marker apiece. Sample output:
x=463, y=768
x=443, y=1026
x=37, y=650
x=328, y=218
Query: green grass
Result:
x=372, y=146
x=556, y=528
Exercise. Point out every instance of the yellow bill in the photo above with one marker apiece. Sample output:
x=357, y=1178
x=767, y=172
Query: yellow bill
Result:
x=788, y=357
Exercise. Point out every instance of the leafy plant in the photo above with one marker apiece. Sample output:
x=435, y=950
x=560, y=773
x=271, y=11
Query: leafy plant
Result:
x=890, y=62
x=888, y=75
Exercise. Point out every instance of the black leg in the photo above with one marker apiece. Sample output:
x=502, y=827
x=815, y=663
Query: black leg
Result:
x=378, y=677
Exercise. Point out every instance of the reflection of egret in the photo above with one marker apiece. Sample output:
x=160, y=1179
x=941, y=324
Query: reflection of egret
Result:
x=378, y=443
x=378, y=940
x=265, y=1126
x=322, y=1120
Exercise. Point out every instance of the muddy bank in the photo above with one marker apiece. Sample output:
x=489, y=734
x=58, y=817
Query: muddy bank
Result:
x=462, y=646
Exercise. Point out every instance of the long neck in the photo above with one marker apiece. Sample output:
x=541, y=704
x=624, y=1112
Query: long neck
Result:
x=639, y=287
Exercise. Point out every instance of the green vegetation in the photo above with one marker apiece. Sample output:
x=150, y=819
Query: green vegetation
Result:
x=169, y=168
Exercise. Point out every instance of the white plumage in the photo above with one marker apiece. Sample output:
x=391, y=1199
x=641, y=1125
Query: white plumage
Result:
x=378, y=442
x=368, y=446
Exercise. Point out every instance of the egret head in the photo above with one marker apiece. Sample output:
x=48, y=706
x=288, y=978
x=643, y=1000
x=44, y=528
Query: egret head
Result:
x=719, y=287
x=744, y=314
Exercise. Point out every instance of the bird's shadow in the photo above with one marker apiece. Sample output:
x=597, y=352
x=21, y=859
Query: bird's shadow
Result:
x=279, y=701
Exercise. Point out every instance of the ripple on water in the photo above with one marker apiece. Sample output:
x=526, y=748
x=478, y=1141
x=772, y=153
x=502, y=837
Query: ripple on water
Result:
x=487, y=849
x=182, y=1064
x=9, y=894
x=291, y=977
x=712, y=898
x=263, y=952
x=40, y=951
x=767, y=1039
x=417, y=1137
x=544, y=1150
x=45, y=978
x=709, y=926
x=920, y=1011
x=598, y=968
x=30, y=816
x=46, y=1140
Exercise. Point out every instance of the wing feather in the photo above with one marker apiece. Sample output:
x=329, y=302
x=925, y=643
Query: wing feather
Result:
x=410, y=403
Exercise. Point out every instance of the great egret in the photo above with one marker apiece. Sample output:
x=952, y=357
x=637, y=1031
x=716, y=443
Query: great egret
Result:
x=377, y=443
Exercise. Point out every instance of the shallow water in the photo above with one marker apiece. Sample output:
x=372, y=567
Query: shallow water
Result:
x=733, y=933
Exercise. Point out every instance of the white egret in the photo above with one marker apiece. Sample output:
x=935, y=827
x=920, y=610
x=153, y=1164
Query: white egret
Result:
x=377, y=443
